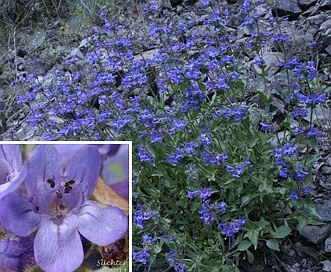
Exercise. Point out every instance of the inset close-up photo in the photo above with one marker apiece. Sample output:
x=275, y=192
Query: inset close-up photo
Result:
x=64, y=207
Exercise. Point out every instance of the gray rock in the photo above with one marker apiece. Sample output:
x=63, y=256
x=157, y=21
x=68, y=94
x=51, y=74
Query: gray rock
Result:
x=326, y=25
x=287, y=7
x=325, y=4
x=316, y=234
x=316, y=19
x=7, y=56
x=270, y=60
x=75, y=24
x=327, y=244
x=306, y=3
x=280, y=136
x=326, y=170
x=38, y=40
x=326, y=266
x=321, y=117
x=83, y=46
x=328, y=162
x=328, y=49
x=324, y=210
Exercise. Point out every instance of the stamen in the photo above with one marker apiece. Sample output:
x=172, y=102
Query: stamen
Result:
x=51, y=182
x=60, y=207
x=58, y=193
x=71, y=181
x=67, y=189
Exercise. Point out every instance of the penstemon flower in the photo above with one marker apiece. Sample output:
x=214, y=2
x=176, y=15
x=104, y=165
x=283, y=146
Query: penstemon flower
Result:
x=10, y=165
x=57, y=207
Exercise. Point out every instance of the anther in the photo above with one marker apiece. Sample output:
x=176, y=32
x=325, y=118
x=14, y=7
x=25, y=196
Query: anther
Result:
x=51, y=182
x=58, y=193
x=67, y=189
x=71, y=181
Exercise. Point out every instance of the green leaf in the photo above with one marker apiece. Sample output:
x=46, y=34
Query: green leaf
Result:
x=250, y=256
x=240, y=85
x=250, y=225
x=282, y=232
x=157, y=173
x=265, y=97
x=273, y=244
x=253, y=236
x=302, y=222
x=264, y=190
x=247, y=198
x=171, y=245
x=244, y=245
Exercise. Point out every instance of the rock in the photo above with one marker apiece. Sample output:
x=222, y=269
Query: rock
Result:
x=75, y=24
x=328, y=49
x=306, y=3
x=76, y=52
x=287, y=8
x=280, y=135
x=316, y=234
x=326, y=170
x=316, y=19
x=7, y=56
x=324, y=210
x=37, y=41
x=326, y=25
x=327, y=244
x=326, y=4
x=83, y=46
x=270, y=60
x=326, y=266
x=321, y=116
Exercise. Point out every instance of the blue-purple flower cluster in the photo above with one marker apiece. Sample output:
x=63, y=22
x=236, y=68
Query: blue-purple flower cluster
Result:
x=190, y=108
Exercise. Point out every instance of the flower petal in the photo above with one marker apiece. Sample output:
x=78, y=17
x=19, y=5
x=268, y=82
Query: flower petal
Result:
x=16, y=254
x=5, y=171
x=45, y=163
x=58, y=247
x=18, y=215
x=101, y=224
x=119, y=161
x=84, y=168
x=122, y=189
x=67, y=151
x=13, y=184
x=12, y=154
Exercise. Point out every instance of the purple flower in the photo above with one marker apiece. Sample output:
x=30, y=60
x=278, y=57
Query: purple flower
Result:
x=229, y=168
x=284, y=173
x=141, y=256
x=288, y=150
x=10, y=164
x=57, y=209
x=266, y=127
x=238, y=171
x=313, y=132
x=294, y=194
x=144, y=155
x=247, y=163
x=306, y=190
x=177, y=155
x=300, y=175
x=206, y=140
x=224, y=156
x=229, y=229
x=16, y=254
x=192, y=194
x=205, y=193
